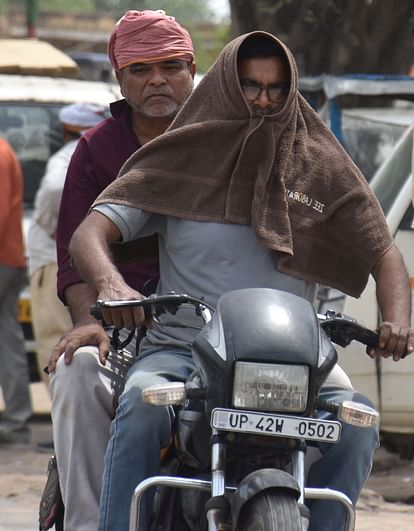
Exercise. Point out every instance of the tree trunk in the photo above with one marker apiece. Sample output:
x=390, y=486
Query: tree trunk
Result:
x=335, y=36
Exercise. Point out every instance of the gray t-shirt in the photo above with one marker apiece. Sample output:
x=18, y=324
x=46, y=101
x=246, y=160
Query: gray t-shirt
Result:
x=202, y=259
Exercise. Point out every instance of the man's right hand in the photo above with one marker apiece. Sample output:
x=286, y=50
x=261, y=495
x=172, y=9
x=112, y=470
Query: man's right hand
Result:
x=130, y=318
x=81, y=335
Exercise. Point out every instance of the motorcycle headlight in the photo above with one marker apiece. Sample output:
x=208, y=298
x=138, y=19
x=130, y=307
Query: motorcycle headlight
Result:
x=270, y=387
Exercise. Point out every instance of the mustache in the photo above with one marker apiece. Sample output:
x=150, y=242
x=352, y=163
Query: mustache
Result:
x=263, y=112
x=258, y=111
x=158, y=92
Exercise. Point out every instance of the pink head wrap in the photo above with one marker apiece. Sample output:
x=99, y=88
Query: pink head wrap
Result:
x=148, y=37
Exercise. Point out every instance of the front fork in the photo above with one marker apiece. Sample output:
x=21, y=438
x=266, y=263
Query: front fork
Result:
x=218, y=507
x=298, y=472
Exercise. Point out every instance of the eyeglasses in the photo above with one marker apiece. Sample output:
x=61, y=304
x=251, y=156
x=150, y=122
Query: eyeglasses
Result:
x=275, y=93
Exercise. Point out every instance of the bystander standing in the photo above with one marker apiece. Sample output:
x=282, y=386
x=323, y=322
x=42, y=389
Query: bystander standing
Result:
x=14, y=374
x=51, y=319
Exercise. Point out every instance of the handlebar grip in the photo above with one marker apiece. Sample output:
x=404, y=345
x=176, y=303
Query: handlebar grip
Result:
x=367, y=337
x=96, y=309
x=156, y=305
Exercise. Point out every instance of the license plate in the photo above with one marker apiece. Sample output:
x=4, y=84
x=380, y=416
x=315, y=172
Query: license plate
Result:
x=24, y=312
x=275, y=425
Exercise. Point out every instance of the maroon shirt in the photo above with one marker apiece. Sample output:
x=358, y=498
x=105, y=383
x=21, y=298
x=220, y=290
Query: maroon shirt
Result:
x=97, y=159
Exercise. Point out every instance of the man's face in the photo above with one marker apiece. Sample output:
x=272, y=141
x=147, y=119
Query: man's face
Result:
x=157, y=90
x=265, y=83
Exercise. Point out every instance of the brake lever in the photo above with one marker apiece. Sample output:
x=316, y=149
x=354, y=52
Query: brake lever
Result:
x=342, y=331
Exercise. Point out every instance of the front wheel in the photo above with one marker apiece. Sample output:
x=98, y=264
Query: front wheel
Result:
x=270, y=510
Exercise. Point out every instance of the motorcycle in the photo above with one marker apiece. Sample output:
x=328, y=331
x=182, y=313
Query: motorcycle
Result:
x=247, y=414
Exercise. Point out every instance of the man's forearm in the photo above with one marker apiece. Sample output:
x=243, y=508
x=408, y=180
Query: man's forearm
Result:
x=79, y=298
x=393, y=288
x=90, y=251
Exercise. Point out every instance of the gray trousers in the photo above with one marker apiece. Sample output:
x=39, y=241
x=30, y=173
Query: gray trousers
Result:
x=14, y=372
x=84, y=396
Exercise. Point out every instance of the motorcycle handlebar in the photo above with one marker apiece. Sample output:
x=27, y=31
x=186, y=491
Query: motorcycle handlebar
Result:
x=152, y=305
x=340, y=329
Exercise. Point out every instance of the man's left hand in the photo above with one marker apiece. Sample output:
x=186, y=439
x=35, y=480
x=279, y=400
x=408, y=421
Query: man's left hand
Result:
x=394, y=340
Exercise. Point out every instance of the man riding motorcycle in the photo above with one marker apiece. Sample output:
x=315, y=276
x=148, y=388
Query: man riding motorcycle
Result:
x=252, y=190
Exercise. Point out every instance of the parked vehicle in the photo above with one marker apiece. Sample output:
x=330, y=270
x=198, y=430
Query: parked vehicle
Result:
x=377, y=131
x=247, y=413
x=387, y=383
x=380, y=140
x=93, y=66
x=32, y=91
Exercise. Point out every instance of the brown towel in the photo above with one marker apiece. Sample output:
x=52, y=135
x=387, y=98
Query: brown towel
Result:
x=283, y=173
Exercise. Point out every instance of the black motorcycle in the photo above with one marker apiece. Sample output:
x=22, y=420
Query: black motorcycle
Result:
x=247, y=414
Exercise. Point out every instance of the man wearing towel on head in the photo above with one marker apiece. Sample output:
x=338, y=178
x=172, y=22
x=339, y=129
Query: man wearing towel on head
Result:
x=261, y=195
x=153, y=58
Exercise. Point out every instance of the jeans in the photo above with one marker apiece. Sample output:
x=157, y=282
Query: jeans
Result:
x=139, y=431
x=344, y=466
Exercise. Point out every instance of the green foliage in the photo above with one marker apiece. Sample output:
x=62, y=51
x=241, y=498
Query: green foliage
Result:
x=195, y=15
x=206, y=55
x=68, y=6
x=186, y=11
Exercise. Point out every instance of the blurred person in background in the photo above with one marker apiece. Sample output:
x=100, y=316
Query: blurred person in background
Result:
x=50, y=317
x=152, y=56
x=14, y=371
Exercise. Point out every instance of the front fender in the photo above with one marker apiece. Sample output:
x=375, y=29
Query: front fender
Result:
x=258, y=481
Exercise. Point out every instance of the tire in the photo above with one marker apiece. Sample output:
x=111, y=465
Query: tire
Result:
x=270, y=510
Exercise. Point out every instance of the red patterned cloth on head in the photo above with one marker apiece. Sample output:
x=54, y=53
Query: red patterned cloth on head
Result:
x=148, y=37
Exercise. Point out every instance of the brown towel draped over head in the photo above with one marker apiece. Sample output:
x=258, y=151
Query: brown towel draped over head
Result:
x=283, y=173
